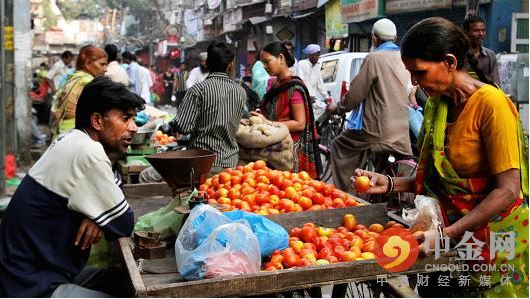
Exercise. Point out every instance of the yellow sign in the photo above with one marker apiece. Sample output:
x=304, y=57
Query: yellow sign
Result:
x=335, y=28
x=8, y=38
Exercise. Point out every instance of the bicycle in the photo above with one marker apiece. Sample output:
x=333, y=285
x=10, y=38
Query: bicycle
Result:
x=329, y=126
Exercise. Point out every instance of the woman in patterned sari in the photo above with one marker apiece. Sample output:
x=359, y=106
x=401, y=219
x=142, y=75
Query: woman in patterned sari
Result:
x=287, y=102
x=474, y=155
x=91, y=63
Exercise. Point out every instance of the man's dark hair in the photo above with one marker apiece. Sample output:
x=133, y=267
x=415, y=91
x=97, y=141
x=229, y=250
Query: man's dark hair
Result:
x=220, y=55
x=128, y=55
x=276, y=48
x=471, y=20
x=102, y=95
x=112, y=52
x=67, y=54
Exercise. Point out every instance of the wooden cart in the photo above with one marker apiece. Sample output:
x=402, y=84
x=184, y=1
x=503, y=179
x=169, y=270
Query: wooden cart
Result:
x=159, y=278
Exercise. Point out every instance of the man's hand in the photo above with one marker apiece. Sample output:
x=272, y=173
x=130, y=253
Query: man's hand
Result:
x=332, y=108
x=89, y=233
x=166, y=129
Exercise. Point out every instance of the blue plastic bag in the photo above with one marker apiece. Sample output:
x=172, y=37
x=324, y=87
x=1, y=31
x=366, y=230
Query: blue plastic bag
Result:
x=355, y=120
x=415, y=120
x=210, y=245
x=271, y=236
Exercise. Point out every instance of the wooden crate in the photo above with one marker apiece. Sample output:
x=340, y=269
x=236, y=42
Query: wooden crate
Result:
x=130, y=173
x=159, y=278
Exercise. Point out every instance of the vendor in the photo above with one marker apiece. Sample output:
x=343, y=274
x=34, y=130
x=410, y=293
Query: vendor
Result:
x=210, y=112
x=69, y=200
x=287, y=101
x=472, y=159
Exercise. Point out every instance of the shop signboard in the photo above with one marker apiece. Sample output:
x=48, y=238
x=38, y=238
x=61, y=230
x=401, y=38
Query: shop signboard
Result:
x=401, y=6
x=353, y=11
x=335, y=28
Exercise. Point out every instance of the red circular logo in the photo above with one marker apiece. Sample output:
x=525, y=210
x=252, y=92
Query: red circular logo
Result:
x=396, y=249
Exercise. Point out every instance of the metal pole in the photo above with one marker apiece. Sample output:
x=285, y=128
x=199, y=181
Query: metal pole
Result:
x=2, y=104
x=9, y=78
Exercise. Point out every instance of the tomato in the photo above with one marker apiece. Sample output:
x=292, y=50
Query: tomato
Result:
x=305, y=202
x=234, y=193
x=357, y=242
x=318, y=199
x=321, y=262
x=224, y=177
x=368, y=246
x=277, y=258
x=338, y=203
x=286, y=204
x=295, y=232
x=333, y=259
x=245, y=206
x=273, y=211
x=236, y=180
x=338, y=251
x=304, y=175
x=360, y=227
x=307, y=234
x=362, y=183
x=325, y=253
x=260, y=164
x=349, y=221
x=224, y=201
x=291, y=260
x=221, y=192
x=297, y=186
x=306, y=251
x=274, y=200
x=203, y=187
x=297, y=208
x=376, y=227
x=250, y=182
x=262, y=179
x=350, y=202
x=290, y=192
x=348, y=256
x=215, y=181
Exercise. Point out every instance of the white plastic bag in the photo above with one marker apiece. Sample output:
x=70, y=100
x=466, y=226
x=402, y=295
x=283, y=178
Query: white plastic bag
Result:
x=210, y=244
x=426, y=216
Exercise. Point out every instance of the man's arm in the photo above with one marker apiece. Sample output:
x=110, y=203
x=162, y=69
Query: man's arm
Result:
x=186, y=115
x=98, y=198
x=320, y=85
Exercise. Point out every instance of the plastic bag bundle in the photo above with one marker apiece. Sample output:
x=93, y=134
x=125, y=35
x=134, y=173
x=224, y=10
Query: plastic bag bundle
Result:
x=271, y=236
x=210, y=244
x=426, y=216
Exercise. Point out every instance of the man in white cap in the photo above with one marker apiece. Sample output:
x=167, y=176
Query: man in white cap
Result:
x=309, y=70
x=379, y=91
x=199, y=73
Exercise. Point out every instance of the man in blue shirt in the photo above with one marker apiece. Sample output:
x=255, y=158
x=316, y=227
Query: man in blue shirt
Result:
x=69, y=200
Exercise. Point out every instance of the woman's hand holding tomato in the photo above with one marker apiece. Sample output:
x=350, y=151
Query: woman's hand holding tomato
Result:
x=369, y=182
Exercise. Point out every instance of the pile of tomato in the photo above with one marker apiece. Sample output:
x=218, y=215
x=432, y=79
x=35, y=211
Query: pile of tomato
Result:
x=258, y=189
x=317, y=245
x=162, y=139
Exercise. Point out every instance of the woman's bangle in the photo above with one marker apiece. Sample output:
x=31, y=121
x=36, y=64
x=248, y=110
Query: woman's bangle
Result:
x=390, y=185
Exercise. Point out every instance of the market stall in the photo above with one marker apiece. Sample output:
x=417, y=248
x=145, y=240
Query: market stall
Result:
x=159, y=277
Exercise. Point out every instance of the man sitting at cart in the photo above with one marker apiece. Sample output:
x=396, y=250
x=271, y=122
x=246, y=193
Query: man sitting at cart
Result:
x=69, y=200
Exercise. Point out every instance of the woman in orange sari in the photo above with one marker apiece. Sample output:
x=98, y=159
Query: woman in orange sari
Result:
x=473, y=158
x=287, y=102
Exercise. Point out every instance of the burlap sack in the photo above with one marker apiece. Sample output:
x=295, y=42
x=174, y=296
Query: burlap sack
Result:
x=257, y=135
x=278, y=156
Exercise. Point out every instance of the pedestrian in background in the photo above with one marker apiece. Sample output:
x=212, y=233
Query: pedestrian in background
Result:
x=60, y=69
x=383, y=124
x=114, y=71
x=199, y=73
x=475, y=29
x=91, y=63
